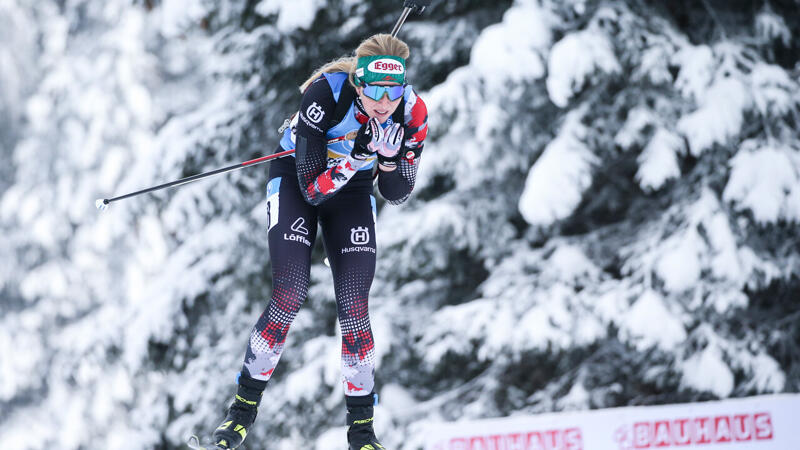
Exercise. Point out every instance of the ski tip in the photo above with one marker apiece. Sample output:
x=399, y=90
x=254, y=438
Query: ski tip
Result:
x=194, y=443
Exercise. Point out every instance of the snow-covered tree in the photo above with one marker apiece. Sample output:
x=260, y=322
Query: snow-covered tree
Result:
x=606, y=214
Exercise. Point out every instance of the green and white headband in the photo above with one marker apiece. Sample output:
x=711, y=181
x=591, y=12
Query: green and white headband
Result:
x=372, y=69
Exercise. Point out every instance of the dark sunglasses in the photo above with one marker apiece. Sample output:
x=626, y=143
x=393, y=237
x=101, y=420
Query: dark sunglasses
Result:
x=376, y=92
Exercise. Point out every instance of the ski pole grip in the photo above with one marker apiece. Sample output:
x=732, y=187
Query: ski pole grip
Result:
x=417, y=5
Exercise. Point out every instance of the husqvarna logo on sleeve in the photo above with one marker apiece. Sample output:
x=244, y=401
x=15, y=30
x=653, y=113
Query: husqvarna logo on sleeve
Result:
x=389, y=66
x=359, y=235
x=315, y=113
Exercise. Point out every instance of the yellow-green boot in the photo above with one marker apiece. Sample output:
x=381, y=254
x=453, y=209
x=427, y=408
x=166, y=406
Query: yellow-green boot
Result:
x=360, y=434
x=241, y=414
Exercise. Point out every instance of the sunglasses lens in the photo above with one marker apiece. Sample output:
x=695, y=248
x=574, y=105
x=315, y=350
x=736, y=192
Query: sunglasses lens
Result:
x=376, y=92
x=395, y=92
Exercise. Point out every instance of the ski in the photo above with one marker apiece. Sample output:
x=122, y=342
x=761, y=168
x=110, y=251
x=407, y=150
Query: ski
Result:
x=194, y=444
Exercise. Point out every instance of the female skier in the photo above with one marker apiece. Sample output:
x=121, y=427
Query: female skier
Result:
x=330, y=181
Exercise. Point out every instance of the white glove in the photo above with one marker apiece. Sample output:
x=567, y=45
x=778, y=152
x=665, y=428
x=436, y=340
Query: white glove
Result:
x=392, y=141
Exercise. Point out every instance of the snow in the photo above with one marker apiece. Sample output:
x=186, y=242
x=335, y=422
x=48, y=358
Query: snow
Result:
x=503, y=60
x=650, y=323
x=501, y=325
x=696, y=70
x=331, y=439
x=402, y=401
x=610, y=306
x=767, y=374
x=771, y=26
x=23, y=354
x=548, y=323
x=576, y=399
x=707, y=372
x=773, y=90
x=658, y=163
x=725, y=262
x=724, y=300
x=137, y=318
x=720, y=116
x=47, y=280
x=654, y=66
x=679, y=265
x=298, y=14
x=558, y=179
x=570, y=264
x=303, y=383
x=631, y=132
x=17, y=62
x=112, y=168
x=178, y=15
x=474, y=317
x=762, y=180
x=573, y=62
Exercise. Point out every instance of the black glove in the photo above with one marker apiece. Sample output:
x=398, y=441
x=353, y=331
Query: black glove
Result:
x=368, y=140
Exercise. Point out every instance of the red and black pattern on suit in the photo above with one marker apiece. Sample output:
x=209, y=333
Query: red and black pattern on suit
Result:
x=312, y=194
x=348, y=231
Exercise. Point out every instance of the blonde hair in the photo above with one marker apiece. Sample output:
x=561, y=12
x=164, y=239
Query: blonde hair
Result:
x=378, y=44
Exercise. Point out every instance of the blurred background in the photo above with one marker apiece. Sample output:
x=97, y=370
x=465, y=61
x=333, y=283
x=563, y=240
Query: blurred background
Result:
x=606, y=214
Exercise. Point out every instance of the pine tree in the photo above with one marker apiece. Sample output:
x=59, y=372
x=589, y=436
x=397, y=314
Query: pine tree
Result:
x=605, y=214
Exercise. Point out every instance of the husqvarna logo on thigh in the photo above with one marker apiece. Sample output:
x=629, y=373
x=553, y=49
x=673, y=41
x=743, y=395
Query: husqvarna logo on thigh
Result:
x=359, y=235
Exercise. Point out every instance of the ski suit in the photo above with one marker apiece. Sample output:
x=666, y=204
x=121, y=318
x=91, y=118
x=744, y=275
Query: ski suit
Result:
x=318, y=186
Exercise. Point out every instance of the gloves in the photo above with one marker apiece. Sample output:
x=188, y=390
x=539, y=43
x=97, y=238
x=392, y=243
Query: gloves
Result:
x=389, y=153
x=368, y=140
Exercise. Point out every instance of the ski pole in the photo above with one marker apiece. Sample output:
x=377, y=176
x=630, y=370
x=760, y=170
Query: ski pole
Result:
x=408, y=6
x=102, y=204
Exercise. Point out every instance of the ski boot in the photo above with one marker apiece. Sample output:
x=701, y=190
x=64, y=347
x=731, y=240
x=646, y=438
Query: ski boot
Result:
x=360, y=434
x=241, y=414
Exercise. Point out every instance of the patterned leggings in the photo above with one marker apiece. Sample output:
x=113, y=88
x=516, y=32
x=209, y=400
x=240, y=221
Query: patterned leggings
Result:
x=348, y=230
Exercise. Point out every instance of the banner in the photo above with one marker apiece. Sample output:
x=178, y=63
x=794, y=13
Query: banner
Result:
x=757, y=423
